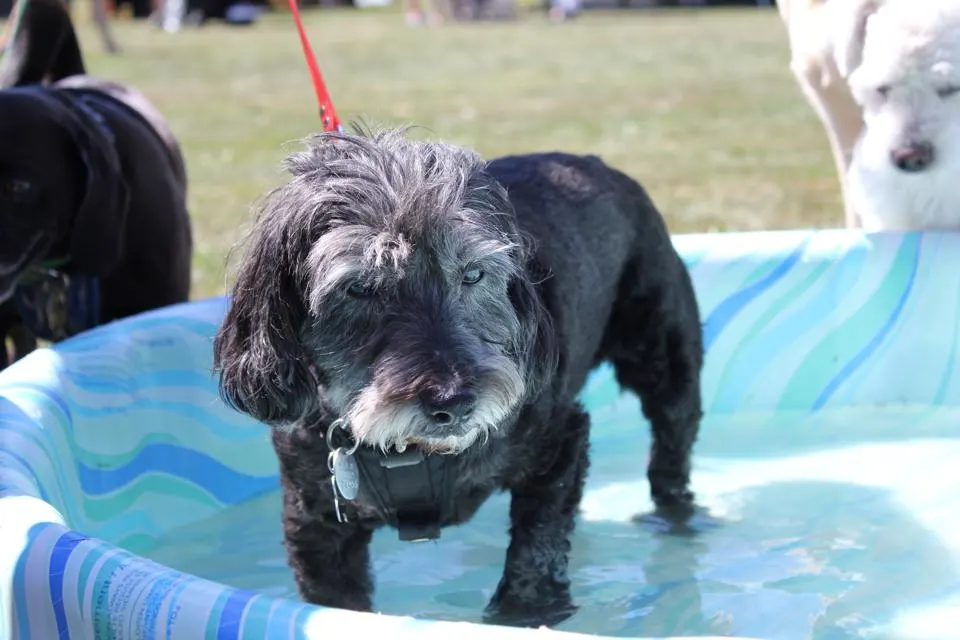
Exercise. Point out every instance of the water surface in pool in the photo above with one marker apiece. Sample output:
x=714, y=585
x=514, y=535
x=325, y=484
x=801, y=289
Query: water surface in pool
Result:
x=833, y=525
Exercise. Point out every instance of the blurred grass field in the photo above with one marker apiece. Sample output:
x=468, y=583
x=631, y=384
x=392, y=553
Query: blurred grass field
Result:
x=698, y=105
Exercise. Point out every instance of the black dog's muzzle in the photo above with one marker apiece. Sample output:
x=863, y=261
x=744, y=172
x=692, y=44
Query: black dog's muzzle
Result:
x=412, y=489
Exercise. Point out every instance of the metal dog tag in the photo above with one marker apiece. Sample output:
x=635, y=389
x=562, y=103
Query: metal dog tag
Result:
x=346, y=474
x=341, y=516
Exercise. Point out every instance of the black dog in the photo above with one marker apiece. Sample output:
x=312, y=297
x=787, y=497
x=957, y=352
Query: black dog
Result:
x=418, y=323
x=93, y=216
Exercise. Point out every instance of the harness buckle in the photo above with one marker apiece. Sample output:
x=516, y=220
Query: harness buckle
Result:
x=407, y=458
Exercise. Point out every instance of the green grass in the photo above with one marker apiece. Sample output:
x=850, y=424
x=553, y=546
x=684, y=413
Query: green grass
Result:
x=699, y=106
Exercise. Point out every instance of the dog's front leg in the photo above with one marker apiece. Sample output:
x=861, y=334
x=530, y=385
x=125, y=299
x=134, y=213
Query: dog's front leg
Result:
x=330, y=559
x=535, y=587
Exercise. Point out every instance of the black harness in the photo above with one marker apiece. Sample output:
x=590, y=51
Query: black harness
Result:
x=412, y=490
x=51, y=303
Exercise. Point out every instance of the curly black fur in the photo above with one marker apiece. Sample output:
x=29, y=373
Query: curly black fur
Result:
x=359, y=299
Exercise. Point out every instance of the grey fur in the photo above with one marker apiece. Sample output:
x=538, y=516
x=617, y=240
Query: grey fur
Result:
x=459, y=217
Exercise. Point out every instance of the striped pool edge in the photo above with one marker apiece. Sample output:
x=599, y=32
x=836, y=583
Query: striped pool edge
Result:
x=793, y=321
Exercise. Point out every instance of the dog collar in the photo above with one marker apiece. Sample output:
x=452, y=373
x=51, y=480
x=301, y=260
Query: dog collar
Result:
x=54, y=305
x=412, y=490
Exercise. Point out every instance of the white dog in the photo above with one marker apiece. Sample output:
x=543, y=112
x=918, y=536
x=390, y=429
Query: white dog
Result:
x=905, y=171
x=884, y=77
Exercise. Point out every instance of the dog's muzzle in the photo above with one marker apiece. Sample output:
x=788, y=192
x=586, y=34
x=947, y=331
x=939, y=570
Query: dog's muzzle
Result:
x=412, y=489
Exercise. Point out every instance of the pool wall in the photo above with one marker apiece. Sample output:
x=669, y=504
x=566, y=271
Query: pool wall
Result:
x=116, y=436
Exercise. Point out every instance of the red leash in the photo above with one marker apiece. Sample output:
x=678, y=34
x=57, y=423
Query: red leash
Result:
x=328, y=115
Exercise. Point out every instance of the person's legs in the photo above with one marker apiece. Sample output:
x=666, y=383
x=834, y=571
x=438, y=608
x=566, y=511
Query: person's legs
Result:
x=439, y=12
x=100, y=18
x=8, y=26
x=413, y=12
x=561, y=10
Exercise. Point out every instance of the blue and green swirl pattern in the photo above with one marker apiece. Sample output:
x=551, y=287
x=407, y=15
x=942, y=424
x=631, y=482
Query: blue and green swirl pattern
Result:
x=117, y=436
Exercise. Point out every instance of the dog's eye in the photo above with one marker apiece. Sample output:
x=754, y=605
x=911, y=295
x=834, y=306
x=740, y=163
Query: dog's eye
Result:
x=359, y=290
x=883, y=90
x=16, y=187
x=946, y=92
x=472, y=276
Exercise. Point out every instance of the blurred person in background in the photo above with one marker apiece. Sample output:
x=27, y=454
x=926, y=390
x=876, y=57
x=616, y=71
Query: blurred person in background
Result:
x=416, y=16
x=562, y=10
x=99, y=18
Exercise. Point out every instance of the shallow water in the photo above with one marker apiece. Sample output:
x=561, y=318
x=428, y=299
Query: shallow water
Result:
x=839, y=525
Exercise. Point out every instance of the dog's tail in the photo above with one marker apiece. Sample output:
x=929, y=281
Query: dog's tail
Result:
x=44, y=45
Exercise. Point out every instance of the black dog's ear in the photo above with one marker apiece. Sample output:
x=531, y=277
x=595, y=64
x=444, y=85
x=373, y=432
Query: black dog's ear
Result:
x=529, y=290
x=538, y=348
x=98, y=229
x=98, y=237
x=264, y=369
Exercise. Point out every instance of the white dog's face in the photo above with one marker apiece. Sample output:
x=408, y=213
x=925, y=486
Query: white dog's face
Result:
x=906, y=169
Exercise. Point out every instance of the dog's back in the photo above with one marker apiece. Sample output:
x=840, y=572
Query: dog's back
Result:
x=579, y=206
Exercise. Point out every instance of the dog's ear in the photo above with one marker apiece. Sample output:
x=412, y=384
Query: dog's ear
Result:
x=847, y=22
x=263, y=367
x=98, y=228
x=538, y=345
x=529, y=289
x=98, y=236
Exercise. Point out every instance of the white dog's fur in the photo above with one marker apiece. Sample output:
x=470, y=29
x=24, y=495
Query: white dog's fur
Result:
x=908, y=85
x=883, y=74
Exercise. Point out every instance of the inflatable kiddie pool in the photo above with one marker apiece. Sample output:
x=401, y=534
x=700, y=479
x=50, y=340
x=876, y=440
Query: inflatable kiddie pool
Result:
x=134, y=504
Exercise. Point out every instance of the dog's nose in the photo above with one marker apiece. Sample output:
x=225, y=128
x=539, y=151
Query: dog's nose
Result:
x=912, y=157
x=446, y=408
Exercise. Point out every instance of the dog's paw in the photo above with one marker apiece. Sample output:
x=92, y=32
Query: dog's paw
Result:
x=530, y=603
x=679, y=519
x=673, y=495
x=516, y=613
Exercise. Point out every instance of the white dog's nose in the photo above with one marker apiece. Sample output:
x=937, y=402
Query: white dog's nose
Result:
x=912, y=157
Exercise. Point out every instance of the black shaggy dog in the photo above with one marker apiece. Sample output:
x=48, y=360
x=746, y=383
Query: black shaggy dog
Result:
x=93, y=215
x=417, y=324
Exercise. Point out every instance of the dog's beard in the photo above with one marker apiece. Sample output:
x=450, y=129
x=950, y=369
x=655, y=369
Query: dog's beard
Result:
x=378, y=422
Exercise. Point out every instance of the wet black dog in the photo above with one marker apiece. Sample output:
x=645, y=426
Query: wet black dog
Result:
x=417, y=324
x=93, y=215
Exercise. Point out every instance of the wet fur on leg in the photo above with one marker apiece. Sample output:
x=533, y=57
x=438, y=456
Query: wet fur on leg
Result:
x=433, y=299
